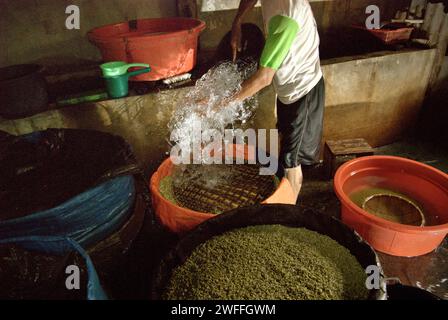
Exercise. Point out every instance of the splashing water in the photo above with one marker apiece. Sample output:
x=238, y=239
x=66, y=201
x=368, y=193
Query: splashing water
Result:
x=204, y=108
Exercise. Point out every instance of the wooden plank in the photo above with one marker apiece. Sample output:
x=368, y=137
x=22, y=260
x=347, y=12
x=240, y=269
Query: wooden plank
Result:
x=338, y=152
x=347, y=147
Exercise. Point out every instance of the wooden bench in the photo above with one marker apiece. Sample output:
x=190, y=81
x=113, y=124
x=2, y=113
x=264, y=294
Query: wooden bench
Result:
x=338, y=152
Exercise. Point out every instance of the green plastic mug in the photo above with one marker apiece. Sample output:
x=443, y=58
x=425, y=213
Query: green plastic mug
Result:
x=118, y=68
x=118, y=86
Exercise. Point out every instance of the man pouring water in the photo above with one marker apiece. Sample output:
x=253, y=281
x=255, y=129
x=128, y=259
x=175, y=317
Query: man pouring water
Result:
x=290, y=60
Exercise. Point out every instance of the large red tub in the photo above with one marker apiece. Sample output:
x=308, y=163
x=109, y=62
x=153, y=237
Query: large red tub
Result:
x=180, y=220
x=426, y=185
x=168, y=45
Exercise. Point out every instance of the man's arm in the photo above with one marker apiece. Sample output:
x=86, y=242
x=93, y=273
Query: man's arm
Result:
x=282, y=32
x=235, y=40
x=261, y=79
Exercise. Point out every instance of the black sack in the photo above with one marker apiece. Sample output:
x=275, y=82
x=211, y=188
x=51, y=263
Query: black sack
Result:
x=41, y=170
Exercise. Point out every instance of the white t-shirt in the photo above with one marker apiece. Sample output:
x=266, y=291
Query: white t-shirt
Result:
x=300, y=70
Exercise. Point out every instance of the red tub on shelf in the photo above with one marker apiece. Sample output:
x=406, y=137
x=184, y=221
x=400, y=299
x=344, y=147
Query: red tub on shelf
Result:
x=426, y=185
x=168, y=45
x=392, y=34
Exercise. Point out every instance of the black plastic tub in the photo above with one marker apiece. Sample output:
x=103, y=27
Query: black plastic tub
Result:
x=23, y=91
x=287, y=215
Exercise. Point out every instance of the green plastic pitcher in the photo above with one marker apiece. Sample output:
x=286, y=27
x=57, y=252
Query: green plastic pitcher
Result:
x=118, y=68
x=118, y=86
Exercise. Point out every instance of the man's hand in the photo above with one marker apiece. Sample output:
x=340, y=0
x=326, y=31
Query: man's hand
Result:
x=235, y=40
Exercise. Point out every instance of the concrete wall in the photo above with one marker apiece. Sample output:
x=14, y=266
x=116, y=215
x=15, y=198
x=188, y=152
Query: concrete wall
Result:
x=331, y=16
x=341, y=13
x=378, y=98
x=34, y=30
x=375, y=97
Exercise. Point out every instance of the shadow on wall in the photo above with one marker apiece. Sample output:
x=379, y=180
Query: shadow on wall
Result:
x=252, y=44
x=347, y=42
x=433, y=124
x=334, y=19
x=339, y=13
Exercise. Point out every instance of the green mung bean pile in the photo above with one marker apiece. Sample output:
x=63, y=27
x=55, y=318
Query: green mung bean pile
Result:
x=166, y=189
x=268, y=262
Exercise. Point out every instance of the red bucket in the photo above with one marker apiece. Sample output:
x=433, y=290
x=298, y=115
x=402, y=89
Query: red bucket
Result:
x=168, y=45
x=426, y=185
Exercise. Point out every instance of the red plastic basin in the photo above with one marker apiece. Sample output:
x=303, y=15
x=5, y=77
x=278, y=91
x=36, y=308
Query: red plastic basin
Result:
x=168, y=45
x=180, y=220
x=426, y=185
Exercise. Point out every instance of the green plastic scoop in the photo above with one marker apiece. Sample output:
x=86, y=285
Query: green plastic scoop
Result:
x=118, y=68
x=117, y=86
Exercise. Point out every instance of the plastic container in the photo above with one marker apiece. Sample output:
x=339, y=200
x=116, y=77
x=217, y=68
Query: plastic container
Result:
x=78, y=160
x=168, y=45
x=179, y=220
x=393, y=36
x=287, y=215
x=118, y=68
x=118, y=86
x=424, y=184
